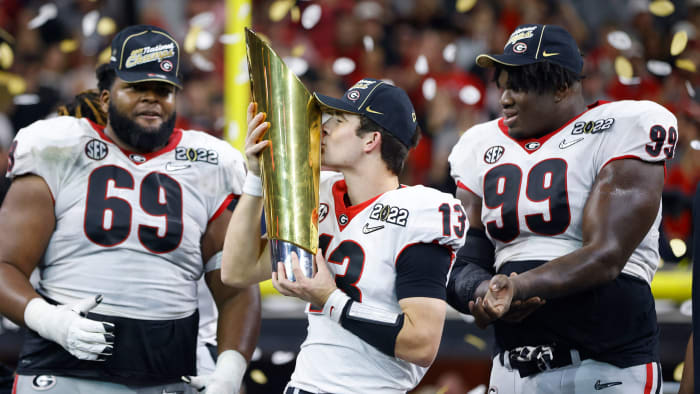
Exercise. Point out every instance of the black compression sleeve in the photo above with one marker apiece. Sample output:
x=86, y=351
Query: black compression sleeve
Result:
x=380, y=334
x=474, y=265
x=421, y=271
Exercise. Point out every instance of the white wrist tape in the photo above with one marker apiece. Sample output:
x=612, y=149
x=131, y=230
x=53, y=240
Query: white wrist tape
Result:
x=231, y=366
x=335, y=304
x=39, y=316
x=252, y=185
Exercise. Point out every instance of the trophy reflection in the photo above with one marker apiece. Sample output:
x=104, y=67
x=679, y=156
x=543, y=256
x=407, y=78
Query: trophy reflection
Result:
x=290, y=167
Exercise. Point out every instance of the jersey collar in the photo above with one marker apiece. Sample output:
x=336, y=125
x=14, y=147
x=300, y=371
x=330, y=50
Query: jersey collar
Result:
x=174, y=140
x=345, y=213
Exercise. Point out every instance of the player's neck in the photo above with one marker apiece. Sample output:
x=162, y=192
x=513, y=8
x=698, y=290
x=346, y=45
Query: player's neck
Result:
x=368, y=183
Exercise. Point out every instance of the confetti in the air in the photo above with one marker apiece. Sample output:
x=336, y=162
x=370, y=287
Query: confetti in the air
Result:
x=686, y=308
x=678, y=247
x=623, y=67
x=244, y=11
x=103, y=57
x=343, y=66
x=619, y=40
x=106, y=26
x=46, y=13
x=15, y=84
x=203, y=19
x=661, y=8
x=6, y=55
x=449, y=53
x=657, y=67
x=629, y=81
x=299, y=50
x=279, y=9
x=429, y=88
x=230, y=39
x=257, y=354
x=68, y=45
x=190, y=43
x=295, y=14
x=686, y=64
x=90, y=22
x=465, y=5
x=469, y=95
x=475, y=341
x=26, y=99
x=421, y=65
x=258, y=376
x=690, y=89
x=368, y=43
x=695, y=144
x=204, y=40
x=202, y=63
x=311, y=16
x=298, y=65
x=281, y=357
x=680, y=40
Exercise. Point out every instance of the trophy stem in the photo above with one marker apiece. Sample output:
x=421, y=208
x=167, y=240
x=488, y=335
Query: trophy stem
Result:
x=282, y=251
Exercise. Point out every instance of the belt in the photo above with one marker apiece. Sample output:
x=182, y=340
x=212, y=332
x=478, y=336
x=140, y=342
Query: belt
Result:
x=531, y=360
x=295, y=390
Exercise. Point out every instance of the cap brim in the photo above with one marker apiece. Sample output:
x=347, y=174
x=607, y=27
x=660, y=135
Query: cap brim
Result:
x=134, y=77
x=506, y=60
x=334, y=103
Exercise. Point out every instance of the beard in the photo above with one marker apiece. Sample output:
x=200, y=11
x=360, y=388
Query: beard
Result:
x=143, y=139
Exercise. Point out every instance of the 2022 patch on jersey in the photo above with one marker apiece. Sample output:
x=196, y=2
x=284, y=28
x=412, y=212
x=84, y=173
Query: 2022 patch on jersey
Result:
x=534, y=191
x=128, y=225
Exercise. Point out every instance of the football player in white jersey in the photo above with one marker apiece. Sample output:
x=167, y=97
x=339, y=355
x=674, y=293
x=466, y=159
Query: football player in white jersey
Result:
x=565, y=202
x=122, y=221
x=376, y=309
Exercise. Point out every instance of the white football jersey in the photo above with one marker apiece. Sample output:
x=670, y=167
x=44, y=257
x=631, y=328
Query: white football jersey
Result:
x=128, y=226
x=534, y=191
x=361, y=244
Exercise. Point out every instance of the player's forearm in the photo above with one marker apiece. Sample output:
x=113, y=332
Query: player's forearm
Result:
x=578, y=271
x=240, y=264
x=15, y=292
x=419, y=338
x=239, y=322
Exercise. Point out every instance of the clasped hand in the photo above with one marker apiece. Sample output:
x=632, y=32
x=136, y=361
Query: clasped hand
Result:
x=498, y=303
x=315, y=290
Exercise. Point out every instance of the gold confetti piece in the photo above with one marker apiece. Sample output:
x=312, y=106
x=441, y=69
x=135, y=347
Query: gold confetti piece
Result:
x=678, y=372
x=103, y=57
x=298, y=51
x=680, y=39
x=661, y=8
x=475, y=341
x=6, y=36
x=442, y=390
x=465, y=5
x=15, y=84
x=106, y=26
x=258, y=376
x=623, y=67
x=6, y=55
x=68, y=45
x=279, y=9
x=295, y=14
x=686, y=64
x=190, y=43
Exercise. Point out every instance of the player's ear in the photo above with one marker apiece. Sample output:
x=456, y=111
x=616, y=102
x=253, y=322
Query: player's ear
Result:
x=372, y=140
x=104, y=100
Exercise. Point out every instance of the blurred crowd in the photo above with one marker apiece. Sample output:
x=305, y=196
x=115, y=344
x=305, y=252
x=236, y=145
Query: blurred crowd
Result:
x=427, y=47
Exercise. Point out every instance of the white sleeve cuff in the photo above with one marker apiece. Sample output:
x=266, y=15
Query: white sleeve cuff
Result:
x=335, y=304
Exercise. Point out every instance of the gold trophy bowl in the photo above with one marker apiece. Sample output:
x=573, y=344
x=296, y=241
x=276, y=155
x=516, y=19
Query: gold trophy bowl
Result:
x=291, y=165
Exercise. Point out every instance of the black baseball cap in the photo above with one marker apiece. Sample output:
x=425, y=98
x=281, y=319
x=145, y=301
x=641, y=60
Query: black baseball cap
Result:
x=146, y=53
x=381, y=102
x=530, y=44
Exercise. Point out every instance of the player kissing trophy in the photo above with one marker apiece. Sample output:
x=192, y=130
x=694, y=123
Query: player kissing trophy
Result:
x=291, y=166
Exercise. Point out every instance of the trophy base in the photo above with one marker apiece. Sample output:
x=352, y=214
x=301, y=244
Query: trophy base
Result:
x=282, y=251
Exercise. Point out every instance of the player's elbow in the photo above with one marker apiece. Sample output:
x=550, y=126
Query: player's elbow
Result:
x=610, y=262
x=420, y=349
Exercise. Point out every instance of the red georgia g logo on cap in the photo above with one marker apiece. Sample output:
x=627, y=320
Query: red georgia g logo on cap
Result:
x=166, y=65
x=519, y=47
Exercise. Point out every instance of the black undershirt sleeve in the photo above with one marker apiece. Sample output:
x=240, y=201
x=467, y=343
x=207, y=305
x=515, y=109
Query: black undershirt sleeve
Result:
x=421, y=271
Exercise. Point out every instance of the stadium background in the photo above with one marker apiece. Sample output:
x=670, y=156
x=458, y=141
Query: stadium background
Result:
x=634, y=49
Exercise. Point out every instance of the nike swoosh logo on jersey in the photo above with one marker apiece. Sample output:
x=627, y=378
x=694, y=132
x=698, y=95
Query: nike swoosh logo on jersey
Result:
x=367, y=229
x=563, y=144
x=373, y=111
x=170, y=166
x=600, y=386
x=548, y=54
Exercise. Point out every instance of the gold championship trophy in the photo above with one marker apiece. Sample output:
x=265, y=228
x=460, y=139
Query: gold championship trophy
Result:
x=291, y=165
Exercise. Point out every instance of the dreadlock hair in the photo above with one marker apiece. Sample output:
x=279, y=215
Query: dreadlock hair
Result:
x=393, y=151
x=539, y=77
x=105, y=77
x=86, y=104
